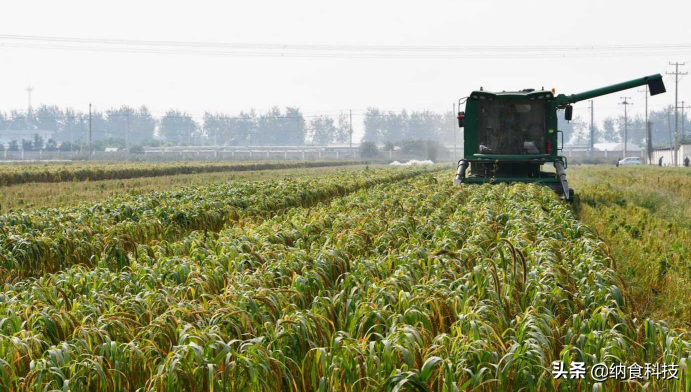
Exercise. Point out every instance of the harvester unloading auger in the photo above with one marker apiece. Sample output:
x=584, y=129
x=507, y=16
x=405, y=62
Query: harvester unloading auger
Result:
x=510, y=135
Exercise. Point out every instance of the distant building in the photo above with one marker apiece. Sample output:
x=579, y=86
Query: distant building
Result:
x=341, y=146
x=577, y=147
x=667, y=155
x=613, y=146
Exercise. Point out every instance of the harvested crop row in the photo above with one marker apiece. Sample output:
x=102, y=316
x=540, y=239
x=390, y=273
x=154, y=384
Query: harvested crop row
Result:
x=12, y=175
x=49, y=240
x=426, y=286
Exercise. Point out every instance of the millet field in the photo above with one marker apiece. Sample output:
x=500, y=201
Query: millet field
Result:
x=358, y=278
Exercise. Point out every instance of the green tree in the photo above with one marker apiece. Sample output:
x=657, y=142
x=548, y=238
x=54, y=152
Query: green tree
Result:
x=213, y=127
x=609, y=131
x=269, y=128
x=117, y=122
x=373, y=123
x=69, y=146
x=449, y=127
x=75, y=127
x=3, y=121
x=27, y=145
x=369, y=150
x=19, y=121
x=662, y=126
x=636, y=129
x=38, y=142
x=293, y=128
x=49, y=118
x=395, y=126
x=178, y=127
x=51, y=145
x=425, y=125
x=99, y=127
x=142, y=126
x=243, y=127
x=322, y=130
x=342, y=129
x=574, y=131
x=127, y=123
x=222, y=129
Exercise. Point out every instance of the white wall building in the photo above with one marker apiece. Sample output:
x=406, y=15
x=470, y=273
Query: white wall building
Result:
x=667, y=155
x=616, y=146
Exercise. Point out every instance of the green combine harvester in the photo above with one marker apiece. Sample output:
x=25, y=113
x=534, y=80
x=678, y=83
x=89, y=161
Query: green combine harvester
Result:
x=510, y=135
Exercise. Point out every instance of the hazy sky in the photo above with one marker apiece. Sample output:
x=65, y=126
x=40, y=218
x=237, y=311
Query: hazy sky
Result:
x=195, y=83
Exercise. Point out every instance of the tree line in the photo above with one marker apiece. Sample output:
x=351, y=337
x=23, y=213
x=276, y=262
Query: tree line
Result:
x=128, y=126
x=70, y=128
x=613, y=128
x=123, y=126
x=389, y=126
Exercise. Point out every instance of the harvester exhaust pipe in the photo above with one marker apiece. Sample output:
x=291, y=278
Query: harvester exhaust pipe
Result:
x=460, y=174
x=559, y=165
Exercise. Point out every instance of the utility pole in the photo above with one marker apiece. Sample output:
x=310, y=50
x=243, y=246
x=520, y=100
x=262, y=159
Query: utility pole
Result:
x=127, y=132
x=649, y=141
x=669, y=126
x=626, y=122
x=683, y=120
x=592, y=128
x=351, y=133
x=676, y=74
x=90, y=131
x=648, y=135
x=189, y=132
x=81, y=132
x=71, y=138
x=29, y=89
x=453, y=125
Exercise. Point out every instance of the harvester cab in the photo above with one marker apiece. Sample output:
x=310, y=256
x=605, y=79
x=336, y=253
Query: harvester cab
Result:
x=509, y=136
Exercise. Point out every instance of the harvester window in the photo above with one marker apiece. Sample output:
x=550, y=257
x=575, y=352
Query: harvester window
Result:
x=515, y=127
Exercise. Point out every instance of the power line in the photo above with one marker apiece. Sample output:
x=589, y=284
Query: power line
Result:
x=518, y=54
x=336, y=50
x=285, y=46
x=592, y=127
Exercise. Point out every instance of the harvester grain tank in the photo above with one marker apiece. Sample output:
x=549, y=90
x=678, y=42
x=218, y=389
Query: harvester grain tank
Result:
x=509, y=136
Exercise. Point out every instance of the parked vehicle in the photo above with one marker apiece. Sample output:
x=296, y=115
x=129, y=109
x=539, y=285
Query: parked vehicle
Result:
x=629, y=161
